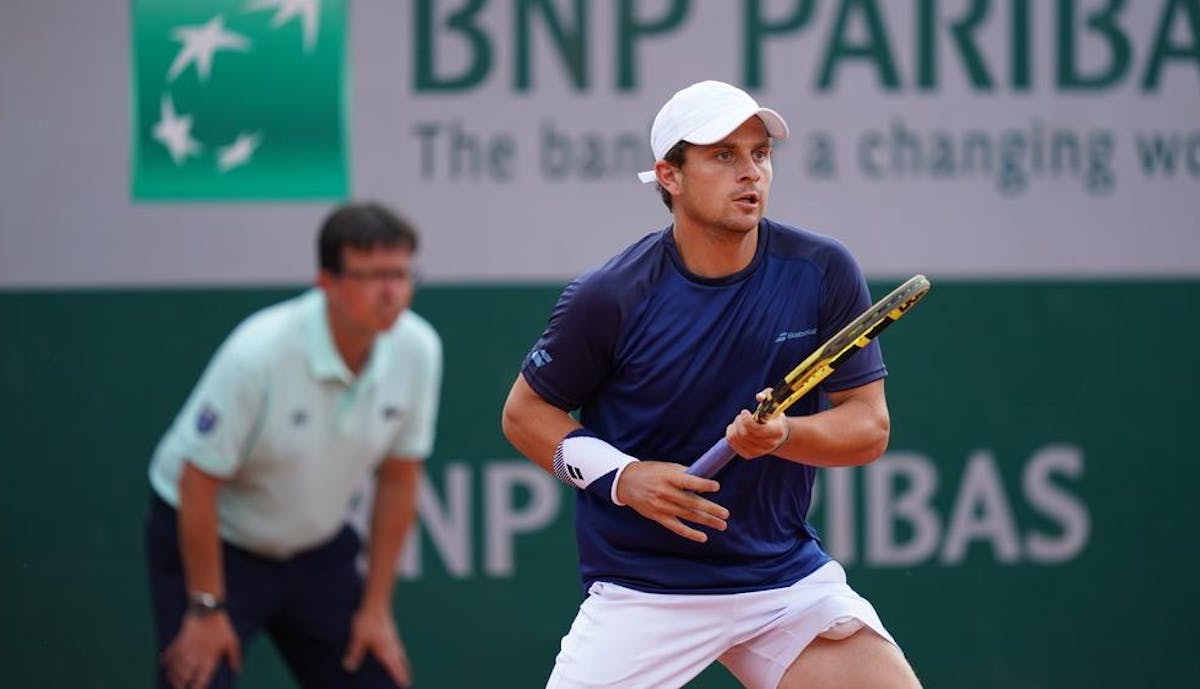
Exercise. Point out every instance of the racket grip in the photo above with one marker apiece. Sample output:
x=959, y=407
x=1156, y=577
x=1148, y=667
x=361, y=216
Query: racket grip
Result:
x=713, y=460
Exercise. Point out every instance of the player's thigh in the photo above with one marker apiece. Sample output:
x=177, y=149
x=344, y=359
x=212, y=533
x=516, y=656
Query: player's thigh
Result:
x=780, y=623
x=630, y=639
x=863, y=660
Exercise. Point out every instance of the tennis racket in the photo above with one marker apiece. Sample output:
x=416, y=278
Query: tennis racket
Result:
x=856, y=335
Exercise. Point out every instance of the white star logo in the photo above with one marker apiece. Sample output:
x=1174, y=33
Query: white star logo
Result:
x=200, y=43
x=307, y=10
x=175, y=132
x=239, y=152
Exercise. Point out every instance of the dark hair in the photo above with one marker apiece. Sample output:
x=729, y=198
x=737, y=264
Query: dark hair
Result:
x=362, y=226
x=674, y=156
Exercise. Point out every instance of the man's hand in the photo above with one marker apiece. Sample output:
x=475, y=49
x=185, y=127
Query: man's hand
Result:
x=664, y=493
x=197, y=650
x=750, y=439
x=374, y=630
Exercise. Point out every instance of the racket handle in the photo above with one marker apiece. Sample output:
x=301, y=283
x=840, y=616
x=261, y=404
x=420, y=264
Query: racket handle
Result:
x=712, y=461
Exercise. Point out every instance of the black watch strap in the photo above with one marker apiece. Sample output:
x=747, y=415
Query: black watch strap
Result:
x=204, y=603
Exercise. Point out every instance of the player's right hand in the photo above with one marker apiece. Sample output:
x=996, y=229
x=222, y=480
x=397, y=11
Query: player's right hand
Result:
x=663, y=492
x=195, y=653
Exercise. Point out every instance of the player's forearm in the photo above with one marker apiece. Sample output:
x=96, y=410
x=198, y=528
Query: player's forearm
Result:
x=199, y=539
x=391, y=520
x=852, y=433
x=534, y=426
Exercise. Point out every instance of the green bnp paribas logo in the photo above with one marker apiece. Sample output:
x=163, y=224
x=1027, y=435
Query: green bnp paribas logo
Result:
x=239, y=99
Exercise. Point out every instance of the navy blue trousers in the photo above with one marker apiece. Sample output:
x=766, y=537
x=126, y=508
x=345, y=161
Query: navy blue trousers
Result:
x=304, y=604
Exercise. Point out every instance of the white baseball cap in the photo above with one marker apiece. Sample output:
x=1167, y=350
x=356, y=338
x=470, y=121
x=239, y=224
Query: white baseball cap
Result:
x=704, y=113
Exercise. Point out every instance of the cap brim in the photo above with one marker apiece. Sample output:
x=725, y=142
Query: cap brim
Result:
x=776, y=126
x=717, y=130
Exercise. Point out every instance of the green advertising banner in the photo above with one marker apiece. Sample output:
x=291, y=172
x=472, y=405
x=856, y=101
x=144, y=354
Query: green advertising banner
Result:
x=1030, y=526
x=240, y=100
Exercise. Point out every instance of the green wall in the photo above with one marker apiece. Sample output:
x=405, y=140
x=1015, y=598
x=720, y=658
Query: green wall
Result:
x=987, y=379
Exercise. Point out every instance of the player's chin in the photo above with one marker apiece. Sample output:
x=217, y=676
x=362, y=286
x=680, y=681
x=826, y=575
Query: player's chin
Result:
x=743, y=223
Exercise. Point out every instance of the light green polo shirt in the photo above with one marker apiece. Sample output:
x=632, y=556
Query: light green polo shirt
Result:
x=279, y=415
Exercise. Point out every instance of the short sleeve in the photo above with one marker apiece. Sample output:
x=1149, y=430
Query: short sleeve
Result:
x=574, y=355
x=225, y=409
x=844, y=297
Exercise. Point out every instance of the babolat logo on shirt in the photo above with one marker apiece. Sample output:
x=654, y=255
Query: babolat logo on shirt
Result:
x=207, y=419
x=540, y=357
x=239, y=99
x=794, y=334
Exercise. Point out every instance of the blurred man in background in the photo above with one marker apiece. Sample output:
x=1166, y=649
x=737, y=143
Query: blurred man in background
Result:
x=253, y=482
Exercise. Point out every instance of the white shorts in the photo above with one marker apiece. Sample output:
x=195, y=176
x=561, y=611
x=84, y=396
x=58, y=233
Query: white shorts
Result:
x=626, y=638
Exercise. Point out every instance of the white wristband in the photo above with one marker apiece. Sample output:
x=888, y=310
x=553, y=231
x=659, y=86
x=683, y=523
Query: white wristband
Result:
x=579, y=460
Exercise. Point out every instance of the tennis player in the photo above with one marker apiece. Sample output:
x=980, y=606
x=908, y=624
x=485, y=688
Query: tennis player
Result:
x=662, y=350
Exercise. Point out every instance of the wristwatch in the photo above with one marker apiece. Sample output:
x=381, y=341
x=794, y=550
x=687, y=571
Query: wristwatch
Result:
x=203, y=603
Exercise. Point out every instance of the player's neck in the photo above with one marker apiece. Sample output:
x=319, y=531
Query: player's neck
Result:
x=714, y=252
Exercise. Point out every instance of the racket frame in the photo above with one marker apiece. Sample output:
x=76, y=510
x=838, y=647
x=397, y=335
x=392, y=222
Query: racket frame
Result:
x=856, y=335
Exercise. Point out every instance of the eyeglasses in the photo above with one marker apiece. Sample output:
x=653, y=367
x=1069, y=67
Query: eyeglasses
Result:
x=380, y=275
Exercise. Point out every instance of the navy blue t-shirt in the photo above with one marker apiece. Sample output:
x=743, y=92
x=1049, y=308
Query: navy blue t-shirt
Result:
x=659, y=361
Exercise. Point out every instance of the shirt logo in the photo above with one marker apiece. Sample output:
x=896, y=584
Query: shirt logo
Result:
x=299, y=417
x=207, y=420
x=794, y=334
x=540, y=357
x=391, y=411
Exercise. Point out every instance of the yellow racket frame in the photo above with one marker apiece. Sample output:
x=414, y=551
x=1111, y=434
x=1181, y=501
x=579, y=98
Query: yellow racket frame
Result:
x=856, y=335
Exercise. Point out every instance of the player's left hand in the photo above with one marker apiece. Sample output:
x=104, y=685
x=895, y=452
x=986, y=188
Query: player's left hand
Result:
x=750, y=439
x=374, y=631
